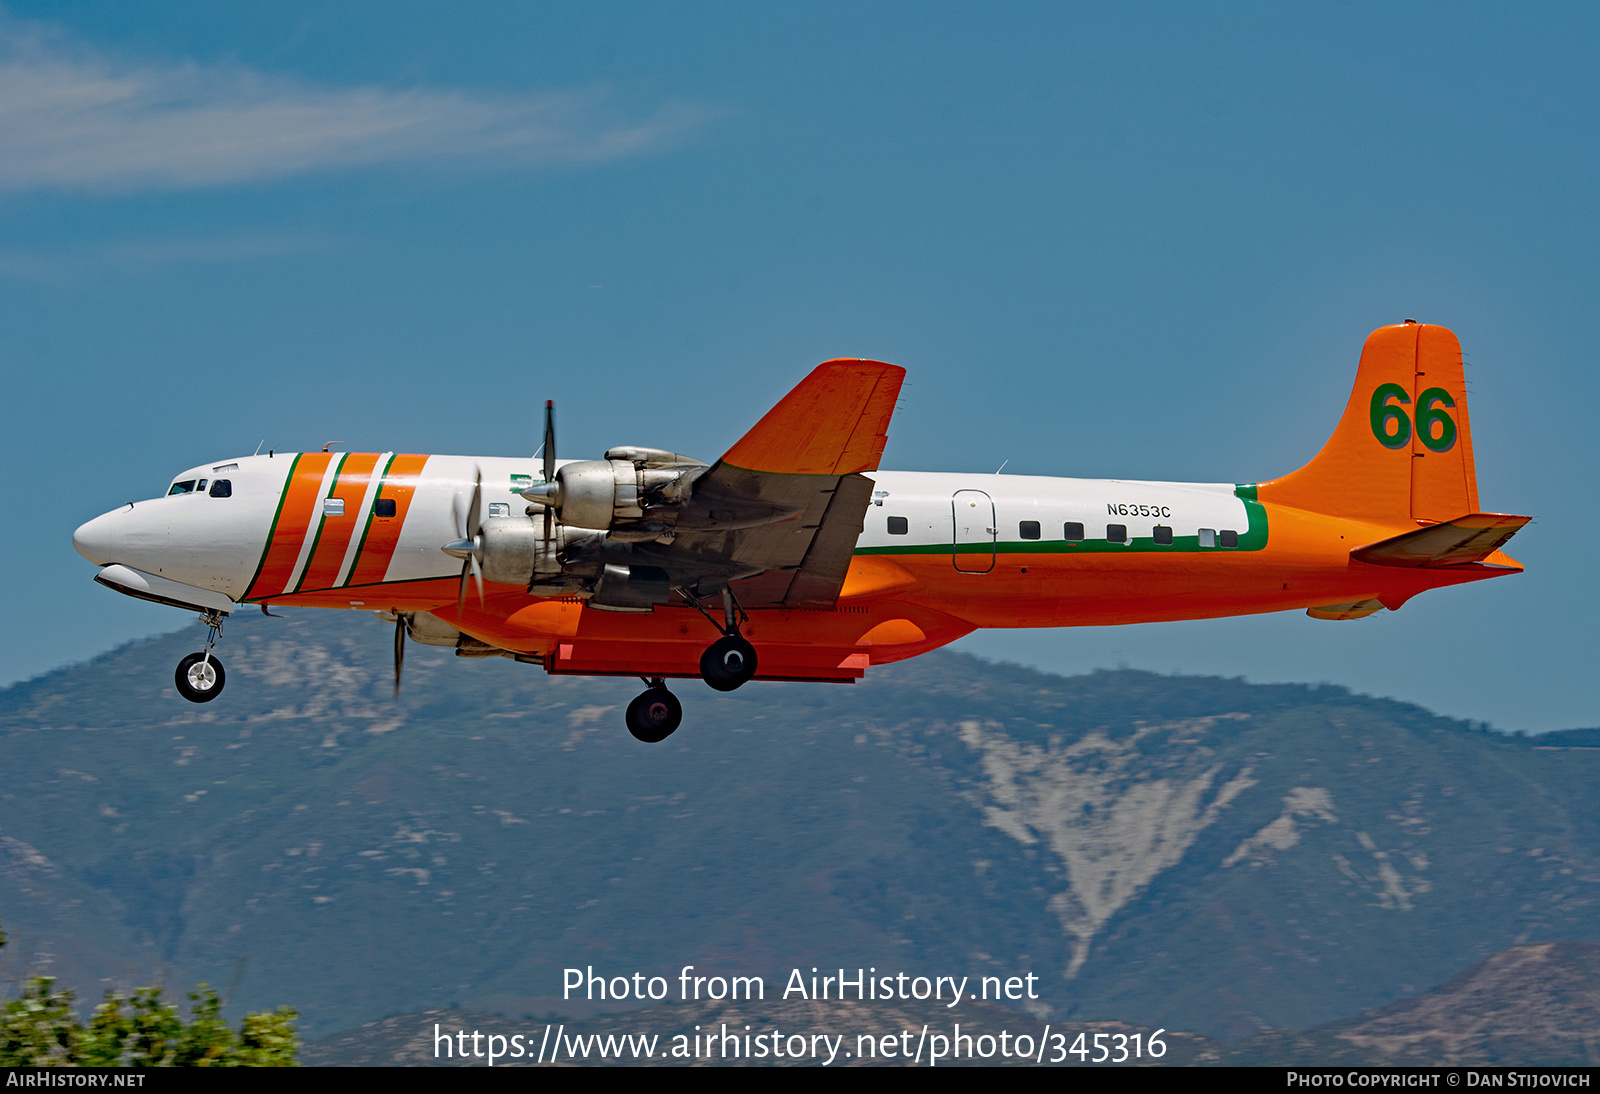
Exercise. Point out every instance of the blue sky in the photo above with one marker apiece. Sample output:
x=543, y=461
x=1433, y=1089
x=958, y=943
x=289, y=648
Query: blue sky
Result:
x=1110, y=240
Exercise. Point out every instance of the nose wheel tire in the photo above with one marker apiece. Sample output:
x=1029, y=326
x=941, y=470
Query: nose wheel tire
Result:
x=199, y=679
x=728, y=663
x=654, y=714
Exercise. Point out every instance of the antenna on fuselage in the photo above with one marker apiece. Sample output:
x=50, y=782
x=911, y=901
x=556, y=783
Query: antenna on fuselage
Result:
x=257, y=452
x=330, y=444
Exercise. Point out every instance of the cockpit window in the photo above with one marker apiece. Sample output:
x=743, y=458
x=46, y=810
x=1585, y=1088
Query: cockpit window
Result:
x=222, y=488
x=184, y=487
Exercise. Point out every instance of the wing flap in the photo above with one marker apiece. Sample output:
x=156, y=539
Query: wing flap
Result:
x=820, y=577
x=782, y=510
x=1459, y=542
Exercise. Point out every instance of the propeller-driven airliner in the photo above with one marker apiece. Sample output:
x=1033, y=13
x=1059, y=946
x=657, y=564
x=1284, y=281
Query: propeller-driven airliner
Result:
x=793, y=557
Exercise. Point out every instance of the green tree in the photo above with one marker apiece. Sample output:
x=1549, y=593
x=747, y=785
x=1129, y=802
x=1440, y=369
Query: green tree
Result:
x=41, y=1028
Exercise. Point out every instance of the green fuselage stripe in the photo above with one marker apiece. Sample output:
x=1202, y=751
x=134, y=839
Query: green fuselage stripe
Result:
x=1254, y=538
x=322, y=521
x=371, y=512
x=389, y=584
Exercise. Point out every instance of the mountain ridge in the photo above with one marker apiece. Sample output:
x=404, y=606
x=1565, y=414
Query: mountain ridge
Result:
x=1197, y=853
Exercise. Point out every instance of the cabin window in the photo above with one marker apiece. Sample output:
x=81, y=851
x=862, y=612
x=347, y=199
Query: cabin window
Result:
x=1029, y=529
x=1207, y=537
x=333, y=507
x=1162, y=535
x=185, y=487
x=222, y=488
x=899, y=526
x=1229, y=538
x=385, y=507
x=1072, y=532
x=1117, y=533
x=499, y=509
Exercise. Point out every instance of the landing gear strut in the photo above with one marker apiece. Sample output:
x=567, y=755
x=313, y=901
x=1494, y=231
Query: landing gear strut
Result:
x=199, y=676
x=655, y=713
x=730, y=661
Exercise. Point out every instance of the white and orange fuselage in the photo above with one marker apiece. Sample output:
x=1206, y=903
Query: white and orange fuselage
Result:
x=938, y=555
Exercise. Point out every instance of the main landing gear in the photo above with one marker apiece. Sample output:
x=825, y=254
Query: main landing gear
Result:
x=199, y=676
x=730, y=661
x=655, y=713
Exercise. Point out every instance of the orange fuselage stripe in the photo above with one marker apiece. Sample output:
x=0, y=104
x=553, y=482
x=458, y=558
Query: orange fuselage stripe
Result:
x=333, y=539
x=399, y=485
x=297, y=516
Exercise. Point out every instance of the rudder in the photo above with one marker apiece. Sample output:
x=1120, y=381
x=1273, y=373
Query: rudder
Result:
x=1402, y=452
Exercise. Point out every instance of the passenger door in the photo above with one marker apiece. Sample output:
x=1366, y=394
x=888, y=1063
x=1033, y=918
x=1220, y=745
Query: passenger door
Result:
x=973, y=531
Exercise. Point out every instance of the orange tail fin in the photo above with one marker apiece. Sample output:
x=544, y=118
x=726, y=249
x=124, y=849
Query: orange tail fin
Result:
x=1403, y=450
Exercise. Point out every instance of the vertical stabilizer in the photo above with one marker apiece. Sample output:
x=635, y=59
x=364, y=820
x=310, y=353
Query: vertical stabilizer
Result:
x=1402, y=452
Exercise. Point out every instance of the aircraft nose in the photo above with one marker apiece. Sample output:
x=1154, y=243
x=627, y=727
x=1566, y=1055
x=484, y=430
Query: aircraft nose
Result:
x=96, y=540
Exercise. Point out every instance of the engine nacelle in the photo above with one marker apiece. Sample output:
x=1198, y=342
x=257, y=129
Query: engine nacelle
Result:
x=430, y=630
x=513, y=551
x=510, y=549
x=598, y=493
x=615, y=491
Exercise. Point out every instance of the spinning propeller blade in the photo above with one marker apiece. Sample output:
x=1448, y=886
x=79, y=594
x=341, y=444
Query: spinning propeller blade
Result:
x=549, y=462
x=549, y=440
x=399, y=649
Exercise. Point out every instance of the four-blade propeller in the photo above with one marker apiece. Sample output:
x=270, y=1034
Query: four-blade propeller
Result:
x=468, y=544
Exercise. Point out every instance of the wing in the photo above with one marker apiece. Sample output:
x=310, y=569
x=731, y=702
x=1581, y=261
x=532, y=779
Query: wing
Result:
x=779, y=514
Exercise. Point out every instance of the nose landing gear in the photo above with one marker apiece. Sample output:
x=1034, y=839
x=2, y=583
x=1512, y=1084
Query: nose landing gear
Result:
x=654, y=713
x=199, y=676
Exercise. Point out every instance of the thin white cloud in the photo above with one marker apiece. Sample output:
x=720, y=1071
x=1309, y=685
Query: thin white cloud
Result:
x=72, y=119
x=67, y=263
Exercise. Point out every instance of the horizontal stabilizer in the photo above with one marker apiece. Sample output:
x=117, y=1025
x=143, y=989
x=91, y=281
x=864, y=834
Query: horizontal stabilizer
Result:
x=1458, y=542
